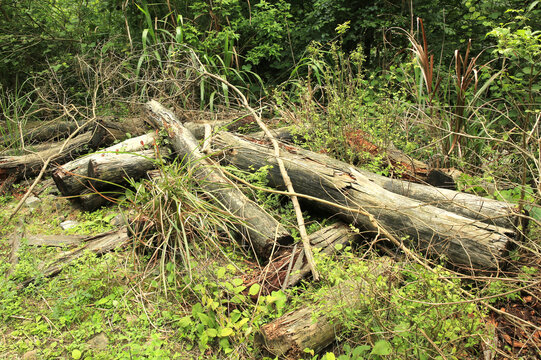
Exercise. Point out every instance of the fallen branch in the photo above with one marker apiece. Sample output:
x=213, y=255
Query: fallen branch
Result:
x=99, y=245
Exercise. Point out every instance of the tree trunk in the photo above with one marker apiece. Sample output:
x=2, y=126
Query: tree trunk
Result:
x=464, y=242
x=260, y=228
x=317, y=326
x=73, y=178
x=490, y=211
x=30, y=165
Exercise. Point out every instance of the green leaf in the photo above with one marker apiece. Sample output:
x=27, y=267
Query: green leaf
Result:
x=185, y=322
x=227, y=331
x=220, y=272
x=381, y=347
x=254, y=289
x=205, y=320
x=76, y=354
x=237, y=281
x=328, y=356
x=212, y=333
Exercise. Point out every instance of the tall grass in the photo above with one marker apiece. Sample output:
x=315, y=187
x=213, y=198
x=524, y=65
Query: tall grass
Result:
x=15, y=108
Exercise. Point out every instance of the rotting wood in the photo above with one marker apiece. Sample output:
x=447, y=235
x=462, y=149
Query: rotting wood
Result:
x=31, y=164
x=99, y=245
x=55, y=240
x=494, y=212
x=274, y=275
x=464, y=242
x=317, y=326
x=72, y=177
x=260, y=228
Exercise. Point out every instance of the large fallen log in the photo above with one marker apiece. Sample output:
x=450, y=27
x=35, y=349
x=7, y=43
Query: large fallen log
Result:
x=73, y=178
x=494, y=212
x=99, y=245
x=464, y=242
x=260, y=228
x=317, y=326
x=31, y=164
x=289, y=266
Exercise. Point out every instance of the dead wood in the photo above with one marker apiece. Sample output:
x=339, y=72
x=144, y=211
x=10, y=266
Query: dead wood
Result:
x=464, y=242
x=99, y=245
x=317, y=326
x=30, y=165
x=283, y=172
x=289, y=266
x=55, y=240
x=73, y=178
x=260, y=228
x=490, y=211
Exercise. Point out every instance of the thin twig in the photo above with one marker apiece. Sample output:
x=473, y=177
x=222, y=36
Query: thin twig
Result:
x=283, y=172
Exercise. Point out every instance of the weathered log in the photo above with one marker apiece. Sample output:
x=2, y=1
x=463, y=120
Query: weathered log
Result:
x=490, y=211
x=51, y=131
x=30, y=165
x=463, y=241
x=73, y=178
x=317, y=326
x=117, y=168
x=261, y=229
x=285, y=271
x=99, y=245
x=55, y=240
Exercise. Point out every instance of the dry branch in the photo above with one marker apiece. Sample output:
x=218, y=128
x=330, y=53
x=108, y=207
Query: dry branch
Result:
x=283, y=172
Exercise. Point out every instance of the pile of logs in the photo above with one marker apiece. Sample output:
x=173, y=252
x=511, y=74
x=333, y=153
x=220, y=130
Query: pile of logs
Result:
x=471, y=233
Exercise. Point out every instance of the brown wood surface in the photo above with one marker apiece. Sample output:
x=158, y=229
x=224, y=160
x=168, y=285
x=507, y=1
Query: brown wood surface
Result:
x=317, y=325
x=463, y=241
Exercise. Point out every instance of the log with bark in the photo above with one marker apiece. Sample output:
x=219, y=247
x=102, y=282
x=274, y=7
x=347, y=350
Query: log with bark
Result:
x=494, y=212
x=73, y=178
x=317, y=326
x=31, y=164
x=260, y=229
x=463, y=241
x=99, y=245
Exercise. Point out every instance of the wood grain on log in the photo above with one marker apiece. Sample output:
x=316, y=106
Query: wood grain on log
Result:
x=99, y=245
x=72, y=178
x=317, y=326
x=31, y=164
x=463, y=241
x=260, y=228
x=494, y=212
